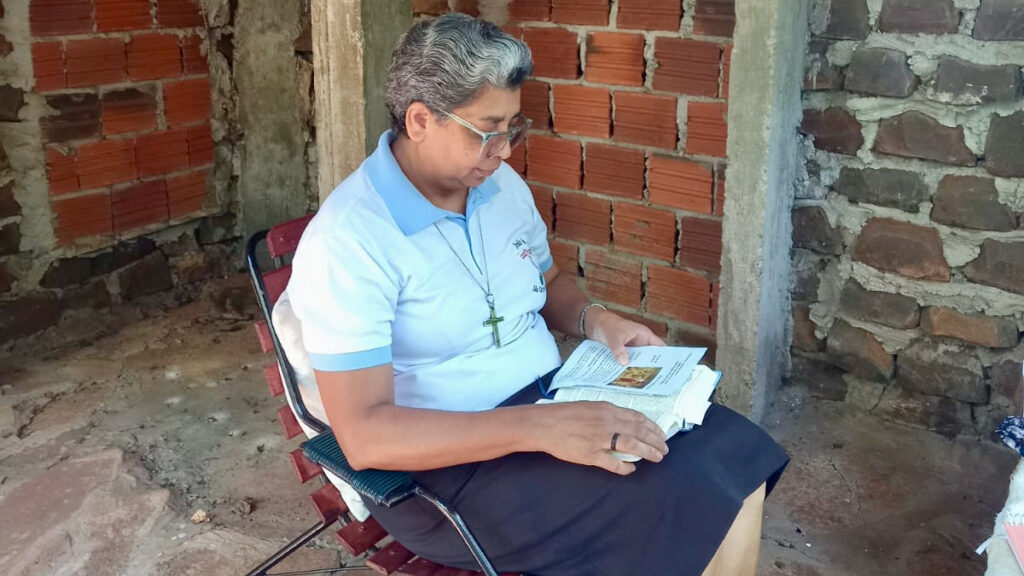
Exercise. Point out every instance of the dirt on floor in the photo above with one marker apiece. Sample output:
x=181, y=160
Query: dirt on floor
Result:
x=112, y=437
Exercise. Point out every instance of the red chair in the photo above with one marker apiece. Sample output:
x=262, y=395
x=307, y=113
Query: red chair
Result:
x=309, y=460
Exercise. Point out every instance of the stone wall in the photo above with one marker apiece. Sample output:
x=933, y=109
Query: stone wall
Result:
x=132, y=133
x=908, y=295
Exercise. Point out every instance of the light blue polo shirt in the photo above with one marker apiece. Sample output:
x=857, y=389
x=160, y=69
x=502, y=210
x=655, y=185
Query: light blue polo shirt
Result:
x=374, y=281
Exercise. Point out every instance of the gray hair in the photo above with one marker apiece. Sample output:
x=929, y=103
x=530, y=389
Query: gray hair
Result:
x=444, y=63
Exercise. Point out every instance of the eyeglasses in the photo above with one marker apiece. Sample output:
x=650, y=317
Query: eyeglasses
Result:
x=491, y=142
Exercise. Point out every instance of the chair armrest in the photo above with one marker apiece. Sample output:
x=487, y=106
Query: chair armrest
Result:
x=382, y=487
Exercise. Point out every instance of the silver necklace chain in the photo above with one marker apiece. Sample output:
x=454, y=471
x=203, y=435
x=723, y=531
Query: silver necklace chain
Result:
x=487, y=276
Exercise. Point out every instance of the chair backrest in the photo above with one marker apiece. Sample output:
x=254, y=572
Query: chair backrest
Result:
x=281, y=242
x=356, y=537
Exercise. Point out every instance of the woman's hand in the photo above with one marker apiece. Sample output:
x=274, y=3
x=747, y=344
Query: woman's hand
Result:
x=616, y=333
x=581, y=432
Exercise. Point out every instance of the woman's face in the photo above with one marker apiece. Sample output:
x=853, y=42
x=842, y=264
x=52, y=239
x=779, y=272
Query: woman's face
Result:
x=455, y=150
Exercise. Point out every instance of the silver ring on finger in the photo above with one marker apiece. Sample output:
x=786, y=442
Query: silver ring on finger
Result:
x=615, y=440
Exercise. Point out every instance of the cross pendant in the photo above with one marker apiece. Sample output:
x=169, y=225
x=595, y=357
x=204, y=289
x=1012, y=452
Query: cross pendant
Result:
x=493, y=321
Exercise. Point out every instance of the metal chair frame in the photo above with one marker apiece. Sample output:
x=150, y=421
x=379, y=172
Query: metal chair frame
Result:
x=298, y=406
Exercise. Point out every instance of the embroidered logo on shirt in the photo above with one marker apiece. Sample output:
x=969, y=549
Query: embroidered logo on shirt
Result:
x=525, y=252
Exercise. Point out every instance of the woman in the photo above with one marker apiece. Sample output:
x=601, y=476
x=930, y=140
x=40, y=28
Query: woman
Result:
x=425, y=289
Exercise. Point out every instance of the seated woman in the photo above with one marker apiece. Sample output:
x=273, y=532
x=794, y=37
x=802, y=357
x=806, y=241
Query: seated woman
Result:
x=425, y=290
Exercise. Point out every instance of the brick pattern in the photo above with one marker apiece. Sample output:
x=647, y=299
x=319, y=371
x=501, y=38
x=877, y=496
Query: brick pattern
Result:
x=932, y=244
x=626, y=157
x=687, y=66
x=127, y=137
x=581, y=12
x=116, y=15
x=582, y=110
x=649, y=14
x=615, y=58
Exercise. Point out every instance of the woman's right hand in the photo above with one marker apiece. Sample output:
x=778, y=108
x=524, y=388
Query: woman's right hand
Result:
x=581, y=432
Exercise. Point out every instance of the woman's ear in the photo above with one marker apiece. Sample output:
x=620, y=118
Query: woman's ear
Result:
x=417, y=120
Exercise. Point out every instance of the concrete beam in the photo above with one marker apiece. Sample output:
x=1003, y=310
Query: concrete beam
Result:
x=764, y=111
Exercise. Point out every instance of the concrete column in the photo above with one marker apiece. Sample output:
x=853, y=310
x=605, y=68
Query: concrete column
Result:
x=383, y=26
x=272, y=171
x=352, y=45
x=764, y=112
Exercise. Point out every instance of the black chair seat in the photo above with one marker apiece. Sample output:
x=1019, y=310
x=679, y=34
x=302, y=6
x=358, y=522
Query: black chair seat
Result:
x=382, y=487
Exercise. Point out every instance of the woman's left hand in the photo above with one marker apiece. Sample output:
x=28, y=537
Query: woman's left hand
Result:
x=616, y=333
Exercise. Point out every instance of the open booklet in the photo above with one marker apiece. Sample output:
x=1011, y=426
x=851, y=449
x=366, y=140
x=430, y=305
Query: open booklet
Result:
x=664, y=383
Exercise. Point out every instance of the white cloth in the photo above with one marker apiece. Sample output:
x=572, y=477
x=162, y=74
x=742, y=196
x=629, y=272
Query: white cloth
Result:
x=289, y=333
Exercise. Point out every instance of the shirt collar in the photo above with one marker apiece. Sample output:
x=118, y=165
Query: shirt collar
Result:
x=410, y=209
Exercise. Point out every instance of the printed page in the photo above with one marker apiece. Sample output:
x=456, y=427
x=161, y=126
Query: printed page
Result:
x=654, y=407
x=652, y=370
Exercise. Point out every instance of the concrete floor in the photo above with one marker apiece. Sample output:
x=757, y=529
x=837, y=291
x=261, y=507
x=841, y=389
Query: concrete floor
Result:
x=108, y=445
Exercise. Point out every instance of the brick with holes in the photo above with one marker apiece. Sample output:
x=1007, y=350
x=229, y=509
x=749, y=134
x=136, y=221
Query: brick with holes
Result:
x=162, y=152
x=645, y=231
x=200, y=145
x=615, y=58
x=544, y=198
x=529, y=10
x=48, y=66
x=82, y=216
x=612, y=278
x=583, y=218
x=153, y=56
x=650, y=14
x=187, y=101
x=687, y=66
x=60, y=17
x=700, y=244
x=679, y=294
x=582, y=110
x=566, y=257
x=554, y=161
x=706, y=129
x=193, y=60
x=61, y=171
x=556, y=52
x=139, y=205
x=95, y=61
x=614, y=170
x=178, y=14
x=186, y=193
x=106, y=162
x=581, y=12
x=112, y=15
x=714, y=18
x=681, y=184
x=128, y=110
x=645, y=119
x=535, y=103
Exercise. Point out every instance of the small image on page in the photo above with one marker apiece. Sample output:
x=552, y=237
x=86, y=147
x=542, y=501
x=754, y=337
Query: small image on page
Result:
x=652, y=370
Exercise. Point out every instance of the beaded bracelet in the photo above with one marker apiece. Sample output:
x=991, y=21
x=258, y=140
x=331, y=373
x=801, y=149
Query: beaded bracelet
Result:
x=583, y=315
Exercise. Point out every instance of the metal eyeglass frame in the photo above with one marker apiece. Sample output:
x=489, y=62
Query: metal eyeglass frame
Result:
x=485, y=137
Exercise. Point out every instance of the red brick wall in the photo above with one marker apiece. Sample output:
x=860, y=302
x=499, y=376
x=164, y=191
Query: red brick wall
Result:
x=127, y=135
x=628, y=150
x=626, y=158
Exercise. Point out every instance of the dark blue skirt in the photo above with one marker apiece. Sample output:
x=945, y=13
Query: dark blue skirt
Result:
x=535, y=514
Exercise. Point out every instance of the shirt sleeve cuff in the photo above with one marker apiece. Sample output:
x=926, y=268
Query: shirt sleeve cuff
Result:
x=546, y=265
x=350, y=360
